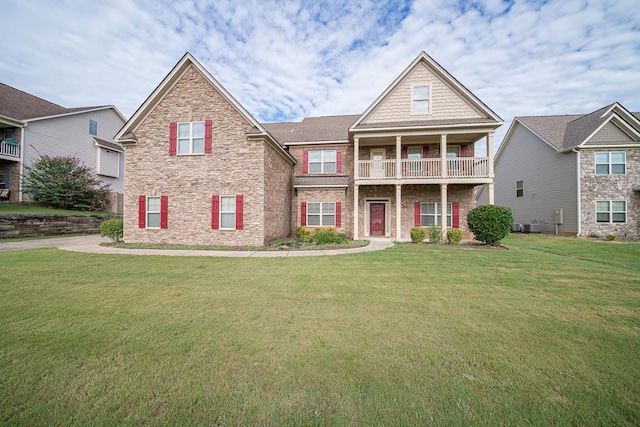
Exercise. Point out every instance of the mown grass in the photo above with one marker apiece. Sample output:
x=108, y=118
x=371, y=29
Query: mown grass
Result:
x=10, y=208
x=290, y=245
x=547, y=333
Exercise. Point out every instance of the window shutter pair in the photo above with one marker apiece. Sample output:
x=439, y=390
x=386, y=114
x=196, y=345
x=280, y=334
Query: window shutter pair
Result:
x=305, y=162
x=455, y=215
x=303, y=214
x=142, y=211
x=215, y=212
x=173, y=137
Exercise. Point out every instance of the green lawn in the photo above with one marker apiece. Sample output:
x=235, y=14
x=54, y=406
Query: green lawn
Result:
x=10, y=208
x=547, y=333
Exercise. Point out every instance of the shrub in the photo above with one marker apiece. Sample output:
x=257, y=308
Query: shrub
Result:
x=66, y=183
x=304, y=234
x=611, y=237
x=454, y=236
x=326, y=235
x=418, y=234
x=435, y=234
x=594, y=235
x=490, y=223
x=112, y=228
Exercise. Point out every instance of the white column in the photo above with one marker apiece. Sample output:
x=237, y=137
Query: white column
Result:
x=356, y=157
x=355, y=212
x=490, y=154
x=398, y=211
x=443, y=209
x=398, y=157
x=443, y=155
x=491, y=197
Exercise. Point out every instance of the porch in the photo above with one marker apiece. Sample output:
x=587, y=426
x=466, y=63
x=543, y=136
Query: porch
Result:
x=9, y=150
x=423, y=168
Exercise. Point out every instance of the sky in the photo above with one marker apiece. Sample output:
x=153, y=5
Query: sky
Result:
x=286, y=60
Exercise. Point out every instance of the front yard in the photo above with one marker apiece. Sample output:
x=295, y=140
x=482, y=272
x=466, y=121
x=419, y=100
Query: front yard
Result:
x=546, y=333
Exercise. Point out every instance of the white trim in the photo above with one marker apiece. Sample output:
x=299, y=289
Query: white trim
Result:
x=367, y=214
x=220, y=227
x=345, y=141
x=88, y=110
x=578, y=192
x=460, y=128
x=428, y=99
x=321, y=215
x=146, y=213
x=610, y=212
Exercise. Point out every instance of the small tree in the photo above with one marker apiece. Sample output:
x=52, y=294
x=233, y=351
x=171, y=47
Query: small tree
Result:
x=112, y=228
x=489, y=223
x=66, y=183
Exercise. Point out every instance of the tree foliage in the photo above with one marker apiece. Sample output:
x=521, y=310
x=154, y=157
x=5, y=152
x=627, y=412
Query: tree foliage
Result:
x=65, y=183
x=489, y=223
x=112, y=228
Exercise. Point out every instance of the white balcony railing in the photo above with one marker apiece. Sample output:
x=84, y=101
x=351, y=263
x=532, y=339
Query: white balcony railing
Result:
x=10, y=149
x=429, y=168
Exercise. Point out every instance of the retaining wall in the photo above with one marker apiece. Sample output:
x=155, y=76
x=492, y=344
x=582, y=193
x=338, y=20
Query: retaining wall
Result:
x=49, y=225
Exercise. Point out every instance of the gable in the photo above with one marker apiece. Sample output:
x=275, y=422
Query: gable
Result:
x=446, y=103
x=610, y=134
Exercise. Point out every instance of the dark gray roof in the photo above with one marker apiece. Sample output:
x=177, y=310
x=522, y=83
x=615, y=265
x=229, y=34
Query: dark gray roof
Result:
x=108, y=145
x=321, y=180
x=312, y=129
x=567, y=131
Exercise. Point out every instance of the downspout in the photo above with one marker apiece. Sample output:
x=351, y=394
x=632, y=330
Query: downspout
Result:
x=579, y=192
x=22, y=142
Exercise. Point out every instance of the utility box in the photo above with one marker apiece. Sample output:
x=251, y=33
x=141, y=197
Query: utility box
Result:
x=558, y=216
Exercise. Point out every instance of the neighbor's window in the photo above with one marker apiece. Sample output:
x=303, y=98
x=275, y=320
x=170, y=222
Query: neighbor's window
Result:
x=191, y=138
x=153, y=212
x=228, y=212
x=611, y=211
x=519, y=188
x=93, y=127
x=421, y=99
x=611, y=163
x=431, y=214
x=321, y=214
x=322, y=161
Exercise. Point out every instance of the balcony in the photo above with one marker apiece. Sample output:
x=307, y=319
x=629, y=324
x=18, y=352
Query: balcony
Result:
x=424, y=169
x=10, y=149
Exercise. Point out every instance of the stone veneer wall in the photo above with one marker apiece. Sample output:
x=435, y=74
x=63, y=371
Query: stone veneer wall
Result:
x=13, y=168
x=236, y=166
x=610, y=187
x=277, y=198
x=49, y=225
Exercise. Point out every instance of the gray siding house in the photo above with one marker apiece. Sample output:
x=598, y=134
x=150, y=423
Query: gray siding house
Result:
x=572, y=174
x=31, y=126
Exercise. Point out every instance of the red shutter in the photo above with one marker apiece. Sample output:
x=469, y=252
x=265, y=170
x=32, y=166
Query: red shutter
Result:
x=207, y=136
x=455, y=217
x=164, y=211
x=338, y=214
x=425, y=151
x=305, y=162
x=215, y=212
x=173, y=138
x=142, y=211
x=416, y=214
x=339, y=161
x=404, y=154
x=464, y=151
x=303, y=214
x=239, y=211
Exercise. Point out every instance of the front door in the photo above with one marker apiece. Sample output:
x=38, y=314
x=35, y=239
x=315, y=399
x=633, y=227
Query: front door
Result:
x=376, y=219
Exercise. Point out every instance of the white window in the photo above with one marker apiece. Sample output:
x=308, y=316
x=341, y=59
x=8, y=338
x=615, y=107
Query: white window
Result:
x=431, y=214
x=414, y=154
x=153, y=212
x=519, y=188
x=611, y=163
x=322, y=161
x=611, y=211
x=227, y=212
x=420, y=99
x=93, y=127
x=321, y=214
x=453, y=152
x=191, y=138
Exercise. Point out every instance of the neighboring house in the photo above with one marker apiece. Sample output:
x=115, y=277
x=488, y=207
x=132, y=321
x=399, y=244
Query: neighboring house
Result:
x=577, y=174
x=31, y=126
x=202, y=170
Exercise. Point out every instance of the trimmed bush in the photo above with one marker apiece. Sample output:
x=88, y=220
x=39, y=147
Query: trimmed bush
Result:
x=418, y=234
x=490, y=223
x=454, y=236
x=326, y=236
x=304, y=234
x=112, y=228
x=435, y=234
x=611, y=237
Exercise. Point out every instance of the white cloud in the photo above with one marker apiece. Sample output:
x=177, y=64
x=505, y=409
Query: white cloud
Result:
x=284, y=60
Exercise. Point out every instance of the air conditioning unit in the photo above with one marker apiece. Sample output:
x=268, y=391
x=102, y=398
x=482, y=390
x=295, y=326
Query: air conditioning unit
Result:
x=517, y=228
x=531, y=228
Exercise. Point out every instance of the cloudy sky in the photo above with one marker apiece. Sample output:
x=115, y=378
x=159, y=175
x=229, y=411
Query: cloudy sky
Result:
x=284, y=60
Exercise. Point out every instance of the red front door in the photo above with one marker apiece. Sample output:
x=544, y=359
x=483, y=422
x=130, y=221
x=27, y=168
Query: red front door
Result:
x=376, y=219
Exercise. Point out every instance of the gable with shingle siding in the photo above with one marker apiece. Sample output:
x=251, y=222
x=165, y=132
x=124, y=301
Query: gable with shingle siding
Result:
x=610, y=133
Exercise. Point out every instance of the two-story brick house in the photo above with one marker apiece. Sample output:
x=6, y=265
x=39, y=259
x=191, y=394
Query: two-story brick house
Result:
x=574, y=174
x=201, y=169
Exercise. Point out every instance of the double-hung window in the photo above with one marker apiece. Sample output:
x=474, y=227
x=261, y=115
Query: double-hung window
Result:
x=420, y=99
x=431, y=214
x=611, y=163
x=519, y=188
x=191, y=138
x=414, y=154
x=321, y=214
x=322, y=161
x=611, y=211
x=227, y=212
x=153, y=212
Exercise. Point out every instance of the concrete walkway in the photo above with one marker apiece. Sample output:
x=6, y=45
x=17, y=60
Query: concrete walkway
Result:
x=91, y=244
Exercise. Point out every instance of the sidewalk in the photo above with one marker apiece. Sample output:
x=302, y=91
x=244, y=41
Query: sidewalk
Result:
x=91, y=244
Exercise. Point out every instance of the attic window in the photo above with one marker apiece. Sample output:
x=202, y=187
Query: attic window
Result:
x=93, y=127
x=421, y=99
